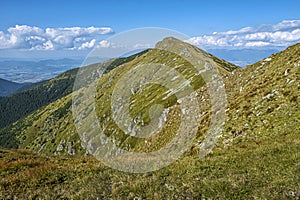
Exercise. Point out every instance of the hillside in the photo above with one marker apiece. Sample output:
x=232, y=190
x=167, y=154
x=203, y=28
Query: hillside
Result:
x=9, y=87
x=264, y=98
x=256, y=157
x=30, y=99
x=51, y=130
x=22, y=103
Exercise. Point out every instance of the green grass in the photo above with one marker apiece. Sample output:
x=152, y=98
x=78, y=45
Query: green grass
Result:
x=266, y=170
x=257, y=156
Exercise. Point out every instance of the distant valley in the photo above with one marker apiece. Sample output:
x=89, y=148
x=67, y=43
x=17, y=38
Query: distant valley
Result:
x=9, y=87
x=242, y=57
x=35, y=71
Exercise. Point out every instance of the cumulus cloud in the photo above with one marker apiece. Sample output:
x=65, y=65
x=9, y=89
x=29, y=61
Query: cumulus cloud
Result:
x=88, y=45
x=104, y=44
x=35, y=38
x=282, y=34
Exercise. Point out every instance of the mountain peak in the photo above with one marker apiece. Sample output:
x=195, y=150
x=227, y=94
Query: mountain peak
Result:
x=170, y=42
x=189, y=52
x=171, y=39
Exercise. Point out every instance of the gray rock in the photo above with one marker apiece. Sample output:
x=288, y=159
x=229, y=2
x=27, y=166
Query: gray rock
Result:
x=286, y=72
x=60, y=147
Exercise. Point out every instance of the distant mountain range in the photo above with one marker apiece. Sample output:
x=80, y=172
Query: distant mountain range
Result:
x=35, y=71
x=242, y=57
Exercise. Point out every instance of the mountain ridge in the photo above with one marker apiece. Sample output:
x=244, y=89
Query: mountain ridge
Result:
x=257, y=154
x=37, y=95
x=152, y=55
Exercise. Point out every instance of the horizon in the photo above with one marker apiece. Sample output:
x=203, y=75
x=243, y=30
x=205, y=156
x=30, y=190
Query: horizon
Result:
x=34, y=31
x=55, y=30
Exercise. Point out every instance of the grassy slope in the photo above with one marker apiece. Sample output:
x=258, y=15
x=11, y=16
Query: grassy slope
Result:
x=28, y=100
x=52, y=126
x=269, y=170
x=21, y=104
x=258, y=156
x=37, y=102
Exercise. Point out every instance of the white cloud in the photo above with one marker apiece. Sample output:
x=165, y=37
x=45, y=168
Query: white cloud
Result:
x=257, y=44
x=142, y=46
x=87, y=45
x=282, y=34
x=104, y=44
x=30, y=37
x=48, y=45
x=286, y=24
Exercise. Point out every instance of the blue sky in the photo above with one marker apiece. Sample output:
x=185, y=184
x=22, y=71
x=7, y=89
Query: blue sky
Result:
x=208, y=23
x=190, y=17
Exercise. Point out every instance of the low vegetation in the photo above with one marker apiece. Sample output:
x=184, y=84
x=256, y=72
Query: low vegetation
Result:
x=257, y=156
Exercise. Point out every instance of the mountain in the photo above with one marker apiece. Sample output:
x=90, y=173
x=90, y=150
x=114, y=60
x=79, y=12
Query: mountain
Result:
x=51, y=129
x=9, y=87
x=256, y=155
x=22, y=103
x=30, y=99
